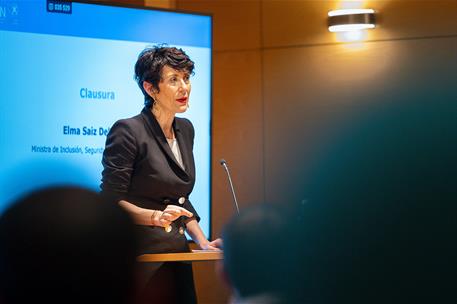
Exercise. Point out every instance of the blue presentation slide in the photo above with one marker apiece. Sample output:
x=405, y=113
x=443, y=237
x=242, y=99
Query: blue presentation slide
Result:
x=67, y=76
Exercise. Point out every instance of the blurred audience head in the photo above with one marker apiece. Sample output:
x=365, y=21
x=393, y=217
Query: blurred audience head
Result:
x=258, y=252
x=66, y=245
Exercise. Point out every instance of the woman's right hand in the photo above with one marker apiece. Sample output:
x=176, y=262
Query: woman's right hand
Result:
x=170, y=214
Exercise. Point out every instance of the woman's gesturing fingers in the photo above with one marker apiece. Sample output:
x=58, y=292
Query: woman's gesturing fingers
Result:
x=164, y=222
x=172, y=212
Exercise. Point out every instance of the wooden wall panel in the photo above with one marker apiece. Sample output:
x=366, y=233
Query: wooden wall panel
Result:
x=236, y=22
x=297, y=23
x=311, y=93
x=415, y=19
x=290, y=23
x=208, y=283
x=167, y=4
x=237, y=132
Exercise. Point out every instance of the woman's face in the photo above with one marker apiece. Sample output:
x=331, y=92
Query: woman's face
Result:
x=174, y=90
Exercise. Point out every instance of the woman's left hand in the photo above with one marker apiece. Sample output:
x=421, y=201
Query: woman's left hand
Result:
x=215, y=245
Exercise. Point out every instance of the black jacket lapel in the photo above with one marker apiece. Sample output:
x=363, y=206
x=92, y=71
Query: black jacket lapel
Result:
x=159, y=136
x=184, y=146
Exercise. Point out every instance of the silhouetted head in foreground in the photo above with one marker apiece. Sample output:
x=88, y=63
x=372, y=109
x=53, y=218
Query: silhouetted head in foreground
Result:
x=260, y=253
x=66, y=245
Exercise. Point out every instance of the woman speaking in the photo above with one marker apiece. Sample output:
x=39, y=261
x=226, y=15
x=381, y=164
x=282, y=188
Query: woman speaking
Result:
x=149, y=169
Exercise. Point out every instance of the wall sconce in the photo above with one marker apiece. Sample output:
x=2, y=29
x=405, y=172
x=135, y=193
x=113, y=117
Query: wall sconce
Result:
x=351, y=20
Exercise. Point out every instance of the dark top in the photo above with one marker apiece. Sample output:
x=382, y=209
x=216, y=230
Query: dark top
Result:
x=140, y=168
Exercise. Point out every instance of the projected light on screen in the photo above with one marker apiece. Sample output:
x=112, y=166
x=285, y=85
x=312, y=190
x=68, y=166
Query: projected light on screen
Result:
x=67, y=76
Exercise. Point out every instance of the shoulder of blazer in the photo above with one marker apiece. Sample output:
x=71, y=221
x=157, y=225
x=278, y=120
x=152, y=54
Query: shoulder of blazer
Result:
x=186, y=126
x=133, y=124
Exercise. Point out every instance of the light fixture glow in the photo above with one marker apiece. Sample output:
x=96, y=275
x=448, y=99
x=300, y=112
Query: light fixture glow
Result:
x=352, y=11
x=352, y=37
x=351, y=20
x=350, y=27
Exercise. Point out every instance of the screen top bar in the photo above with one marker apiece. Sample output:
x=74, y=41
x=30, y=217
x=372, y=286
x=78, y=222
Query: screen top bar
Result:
x=105, y=22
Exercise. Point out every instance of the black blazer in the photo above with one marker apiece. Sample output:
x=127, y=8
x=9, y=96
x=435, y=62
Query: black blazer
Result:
x=140, y=168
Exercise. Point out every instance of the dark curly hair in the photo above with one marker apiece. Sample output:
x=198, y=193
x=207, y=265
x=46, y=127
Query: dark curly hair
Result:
x=151, y=62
